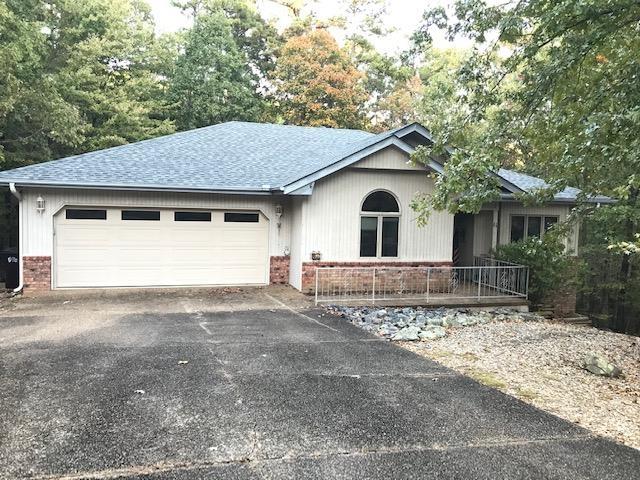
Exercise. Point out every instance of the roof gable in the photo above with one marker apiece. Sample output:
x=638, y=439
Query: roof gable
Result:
x=390, y=158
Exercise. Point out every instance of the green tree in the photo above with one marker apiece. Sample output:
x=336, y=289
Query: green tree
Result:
x=35, y=119
x=256, y=38
x=317, y=83
x=77, y=78
x=551, y=87
x=212, y=81
x=107, y=51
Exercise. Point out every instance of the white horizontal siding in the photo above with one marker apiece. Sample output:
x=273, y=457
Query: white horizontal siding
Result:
x=38, y=227
x=331, y=217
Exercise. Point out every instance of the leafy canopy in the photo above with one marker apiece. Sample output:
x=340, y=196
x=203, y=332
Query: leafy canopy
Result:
x=551, y=87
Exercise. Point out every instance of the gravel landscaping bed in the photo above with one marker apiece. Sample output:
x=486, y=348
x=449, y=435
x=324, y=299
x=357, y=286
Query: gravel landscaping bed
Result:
x=538, y=361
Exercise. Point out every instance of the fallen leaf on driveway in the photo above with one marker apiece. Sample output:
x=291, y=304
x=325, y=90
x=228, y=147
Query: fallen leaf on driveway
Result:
x=183, y=362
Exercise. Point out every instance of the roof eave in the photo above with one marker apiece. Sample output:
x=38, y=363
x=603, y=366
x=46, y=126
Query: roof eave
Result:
x=564, y=200
x=143, y=188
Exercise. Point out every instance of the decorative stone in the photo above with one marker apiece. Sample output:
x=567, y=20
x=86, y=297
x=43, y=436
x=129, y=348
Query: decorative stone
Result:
x=409, y=334
x=599, y=365
x=435, y=321
x=432, y=332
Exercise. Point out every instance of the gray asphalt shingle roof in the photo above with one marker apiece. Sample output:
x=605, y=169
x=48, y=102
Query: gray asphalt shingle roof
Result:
x=232, y=156
x=530, y=184
x=227, y=156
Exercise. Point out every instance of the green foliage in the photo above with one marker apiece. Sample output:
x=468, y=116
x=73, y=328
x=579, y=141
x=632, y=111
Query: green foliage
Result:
x=549, y=265
x=76, y=76
x=212, y=82
x=554, y=94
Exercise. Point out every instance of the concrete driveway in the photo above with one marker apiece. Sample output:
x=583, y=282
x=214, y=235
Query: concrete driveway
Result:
x=170, y=385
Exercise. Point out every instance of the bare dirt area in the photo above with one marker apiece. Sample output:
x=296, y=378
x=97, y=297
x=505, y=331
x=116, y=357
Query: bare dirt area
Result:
x=541, y=363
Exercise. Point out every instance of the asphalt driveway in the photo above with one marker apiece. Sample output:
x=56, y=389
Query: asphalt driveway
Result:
x=175, y=389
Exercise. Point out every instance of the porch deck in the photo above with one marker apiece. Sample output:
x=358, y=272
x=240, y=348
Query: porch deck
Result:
x=484, y=285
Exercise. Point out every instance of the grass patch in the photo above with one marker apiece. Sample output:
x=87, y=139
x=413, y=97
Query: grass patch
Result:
x=526, y=393
x=487, y=379
x=469, y=357
x=435, y=354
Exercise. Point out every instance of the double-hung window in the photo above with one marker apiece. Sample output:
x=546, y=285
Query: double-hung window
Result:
x=379, y=222
x=529, y=226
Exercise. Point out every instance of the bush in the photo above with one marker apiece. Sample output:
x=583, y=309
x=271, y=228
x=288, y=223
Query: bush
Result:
x=550, y=268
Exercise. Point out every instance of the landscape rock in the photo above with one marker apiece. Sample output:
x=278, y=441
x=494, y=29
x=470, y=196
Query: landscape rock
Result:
x=432, y=332
x=413, y=323
x=599, y=365
x=408, y=334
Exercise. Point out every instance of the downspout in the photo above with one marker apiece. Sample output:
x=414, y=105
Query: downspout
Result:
x=15, y=193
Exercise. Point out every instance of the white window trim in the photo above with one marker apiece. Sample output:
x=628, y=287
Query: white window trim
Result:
x=380, y=216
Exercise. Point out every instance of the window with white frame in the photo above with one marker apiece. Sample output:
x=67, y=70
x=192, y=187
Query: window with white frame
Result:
x=529, y=226
x=379, y=222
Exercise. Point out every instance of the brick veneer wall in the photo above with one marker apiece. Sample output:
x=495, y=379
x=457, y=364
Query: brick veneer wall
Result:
x=36, y=273
x=309, y=269
x=563, y=299
x=279, y=270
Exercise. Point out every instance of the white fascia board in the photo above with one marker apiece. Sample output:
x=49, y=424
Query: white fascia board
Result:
x=146, y=188
x=353, y=158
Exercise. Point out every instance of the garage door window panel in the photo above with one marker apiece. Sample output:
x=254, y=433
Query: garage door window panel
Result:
x=85, y=214
x=192, y=216
x=141, y=215
x=236, y=217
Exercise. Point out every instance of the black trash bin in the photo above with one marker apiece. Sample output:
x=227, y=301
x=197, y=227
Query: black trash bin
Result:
x=9, y=270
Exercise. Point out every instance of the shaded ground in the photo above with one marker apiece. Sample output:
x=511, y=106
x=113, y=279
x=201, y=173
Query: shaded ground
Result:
x=174, y=386
x=541, y=363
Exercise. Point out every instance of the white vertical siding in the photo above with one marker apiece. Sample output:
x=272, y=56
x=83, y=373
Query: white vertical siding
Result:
x=295, y=263
x=389, y=159
x=38, y=227
x=331, y=217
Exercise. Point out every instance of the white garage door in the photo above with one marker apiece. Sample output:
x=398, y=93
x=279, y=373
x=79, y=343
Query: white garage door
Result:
x=119, y=247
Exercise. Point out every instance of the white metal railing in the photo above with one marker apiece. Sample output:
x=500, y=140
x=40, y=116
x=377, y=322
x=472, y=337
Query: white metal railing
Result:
x=492, y=262
x=420, y=284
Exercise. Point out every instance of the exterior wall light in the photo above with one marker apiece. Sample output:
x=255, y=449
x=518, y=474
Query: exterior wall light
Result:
x=40, y=204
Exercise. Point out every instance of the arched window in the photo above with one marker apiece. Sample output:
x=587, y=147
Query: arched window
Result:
x=379, y=220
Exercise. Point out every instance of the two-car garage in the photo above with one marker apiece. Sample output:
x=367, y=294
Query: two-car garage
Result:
x=135, y=247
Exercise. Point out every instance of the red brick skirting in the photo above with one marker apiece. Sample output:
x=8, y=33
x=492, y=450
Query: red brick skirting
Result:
x=309, y=269
x=36, y=273
x=279, y=270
